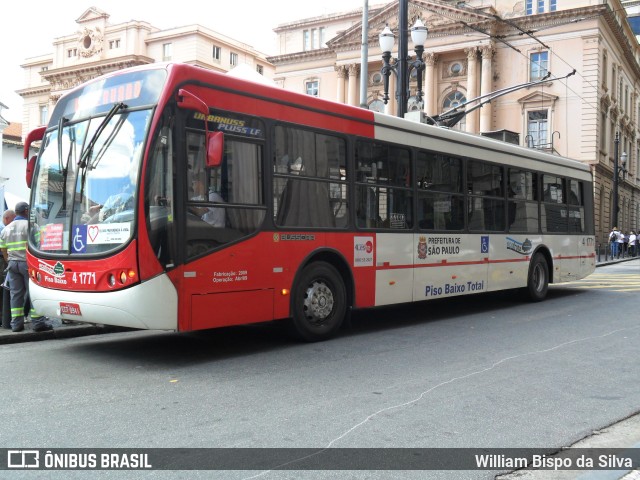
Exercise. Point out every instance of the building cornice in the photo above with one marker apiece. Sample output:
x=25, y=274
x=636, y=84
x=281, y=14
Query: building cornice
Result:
x=33, y=91
x=62, y=79
x=318, y=54
x=623, y=40
x=297, y=24
x=101, y=65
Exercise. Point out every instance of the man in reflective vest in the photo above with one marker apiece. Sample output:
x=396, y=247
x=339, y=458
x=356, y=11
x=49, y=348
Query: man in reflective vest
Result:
x=13, y=242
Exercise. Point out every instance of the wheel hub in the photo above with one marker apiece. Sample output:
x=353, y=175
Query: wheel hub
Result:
x=318, y=303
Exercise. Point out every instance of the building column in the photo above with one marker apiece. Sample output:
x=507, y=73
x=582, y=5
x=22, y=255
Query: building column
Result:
x=342, y=75
x=352, y=99
x=472, y=87
x=431, y=89
x=486, y=86
x=390, y=107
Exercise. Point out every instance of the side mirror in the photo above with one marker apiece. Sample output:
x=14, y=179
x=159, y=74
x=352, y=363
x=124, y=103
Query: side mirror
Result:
x=31, y=166
x=34, y=135
x=215, y=149
x=189, y=101
x=214, y=140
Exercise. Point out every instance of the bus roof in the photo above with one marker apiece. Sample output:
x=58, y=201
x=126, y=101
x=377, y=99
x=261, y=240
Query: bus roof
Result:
x=382, y=126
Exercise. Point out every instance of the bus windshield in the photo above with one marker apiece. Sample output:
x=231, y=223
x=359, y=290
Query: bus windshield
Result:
x=86, y=183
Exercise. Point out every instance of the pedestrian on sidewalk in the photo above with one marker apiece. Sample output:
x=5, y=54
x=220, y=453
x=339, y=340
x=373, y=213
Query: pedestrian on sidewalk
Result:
x=7, y=218
x=620, y=244
x=613, y=241
x=632, y=243
x=13, y=242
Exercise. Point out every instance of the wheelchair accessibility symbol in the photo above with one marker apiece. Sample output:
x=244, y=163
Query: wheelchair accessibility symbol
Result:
x=484, y=244
x=79, y=244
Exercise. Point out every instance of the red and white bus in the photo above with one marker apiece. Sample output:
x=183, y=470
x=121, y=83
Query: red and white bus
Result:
x=175, y=198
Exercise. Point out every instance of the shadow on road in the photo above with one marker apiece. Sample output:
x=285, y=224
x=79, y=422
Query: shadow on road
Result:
x=185, y=349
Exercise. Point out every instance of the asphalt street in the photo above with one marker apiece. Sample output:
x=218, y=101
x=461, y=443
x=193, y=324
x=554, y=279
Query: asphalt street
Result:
x=624, y=434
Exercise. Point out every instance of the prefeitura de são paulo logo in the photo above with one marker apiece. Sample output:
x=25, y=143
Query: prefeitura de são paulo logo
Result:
x=422, y=248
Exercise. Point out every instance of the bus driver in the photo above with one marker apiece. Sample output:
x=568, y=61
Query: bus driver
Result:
x=211, y=215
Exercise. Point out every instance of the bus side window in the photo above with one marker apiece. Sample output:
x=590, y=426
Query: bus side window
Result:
x=367, y=207
x=159, y=201
x=576, y=207
x=309, y=182
x=523, y=201
x=555, y=213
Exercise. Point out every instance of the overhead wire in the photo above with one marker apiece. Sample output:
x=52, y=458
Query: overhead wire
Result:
x=502, y=40
x=531, y=34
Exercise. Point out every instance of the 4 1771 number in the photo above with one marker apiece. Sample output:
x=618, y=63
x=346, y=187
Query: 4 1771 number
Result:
x=84, y=278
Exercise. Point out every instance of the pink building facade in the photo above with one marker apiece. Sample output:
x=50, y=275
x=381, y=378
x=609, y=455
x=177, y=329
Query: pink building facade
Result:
x=479, y=47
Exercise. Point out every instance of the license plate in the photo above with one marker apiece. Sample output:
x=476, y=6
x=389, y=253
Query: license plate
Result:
x=70, y=309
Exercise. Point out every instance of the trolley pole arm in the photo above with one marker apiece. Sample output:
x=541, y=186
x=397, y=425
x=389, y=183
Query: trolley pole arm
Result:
x=453, y=116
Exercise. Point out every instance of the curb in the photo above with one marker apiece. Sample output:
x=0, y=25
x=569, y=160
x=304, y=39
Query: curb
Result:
x=619, y=260
x=72, y=331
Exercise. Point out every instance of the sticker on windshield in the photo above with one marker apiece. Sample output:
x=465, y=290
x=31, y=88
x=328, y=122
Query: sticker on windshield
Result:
x=108, y=233
x=79, y=239
x=51, y=236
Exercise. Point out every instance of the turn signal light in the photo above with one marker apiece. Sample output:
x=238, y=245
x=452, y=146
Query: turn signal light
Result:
x=121, y=277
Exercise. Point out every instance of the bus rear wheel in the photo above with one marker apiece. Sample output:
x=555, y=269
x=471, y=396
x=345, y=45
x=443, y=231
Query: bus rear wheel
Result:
x=538, y=278
x=319, y=303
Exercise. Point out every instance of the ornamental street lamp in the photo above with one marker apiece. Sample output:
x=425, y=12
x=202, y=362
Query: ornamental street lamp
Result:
x=403, y=64
x=616, y=172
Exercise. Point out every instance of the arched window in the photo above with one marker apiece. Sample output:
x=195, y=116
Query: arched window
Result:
x=377, y=106
x=452, y=100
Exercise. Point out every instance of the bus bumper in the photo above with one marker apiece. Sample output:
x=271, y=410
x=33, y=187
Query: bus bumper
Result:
x=151, y=305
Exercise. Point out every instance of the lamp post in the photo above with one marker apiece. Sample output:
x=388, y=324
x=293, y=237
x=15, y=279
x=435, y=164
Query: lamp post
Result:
x=616, y=172
x=403, y=65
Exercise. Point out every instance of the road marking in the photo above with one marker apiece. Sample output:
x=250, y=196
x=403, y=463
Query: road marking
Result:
x=615, y=282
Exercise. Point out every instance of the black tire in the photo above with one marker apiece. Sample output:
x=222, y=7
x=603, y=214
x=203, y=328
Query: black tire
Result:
x=319, y=303
x=538, y=278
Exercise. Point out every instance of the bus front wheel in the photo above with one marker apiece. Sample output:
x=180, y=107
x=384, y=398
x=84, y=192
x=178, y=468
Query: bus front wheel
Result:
x=319, y=303
x=538, y=279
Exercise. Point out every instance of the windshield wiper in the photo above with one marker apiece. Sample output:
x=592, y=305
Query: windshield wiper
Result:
x=86, y=155
x=83, y=163
x=60, y=129
x=107, y=143
x=65, y=169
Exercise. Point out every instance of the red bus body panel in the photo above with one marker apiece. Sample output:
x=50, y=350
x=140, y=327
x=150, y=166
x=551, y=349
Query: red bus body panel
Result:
x=244, y=283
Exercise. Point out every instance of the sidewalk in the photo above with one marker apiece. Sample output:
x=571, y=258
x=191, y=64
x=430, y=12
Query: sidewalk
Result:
x=623, y=435
x=610, y=260
x=62, y=331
